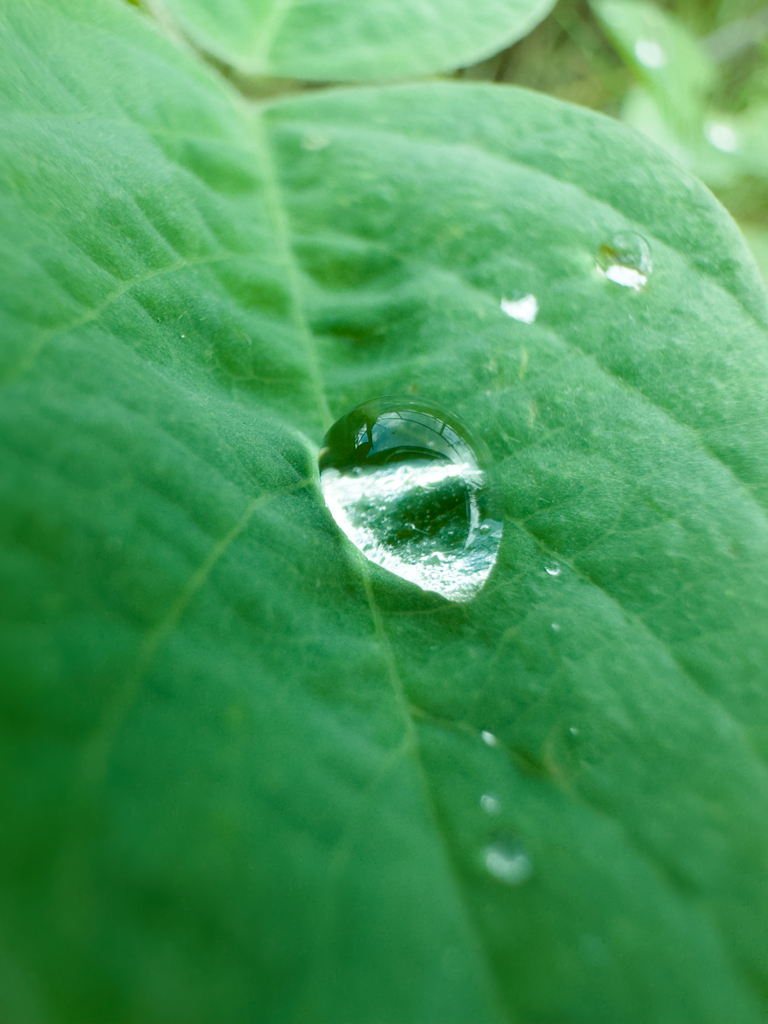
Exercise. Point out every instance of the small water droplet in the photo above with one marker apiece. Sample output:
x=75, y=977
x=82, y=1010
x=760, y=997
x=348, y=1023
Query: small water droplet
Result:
x=721, y=136
x=507, y=862
x=490, y=804
x=556, y=628
x=650, y=54
x=489, y=738
x=406, y=486
x=573, y=731
x=525, y=310
x=183, y=335
x=626, y=260
x=553, y=569
x=314, y=142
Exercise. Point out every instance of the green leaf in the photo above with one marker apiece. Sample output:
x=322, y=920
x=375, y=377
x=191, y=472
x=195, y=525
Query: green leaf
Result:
x=342, y=40
x=729, y=152
x=664, y=55
x=242, y=769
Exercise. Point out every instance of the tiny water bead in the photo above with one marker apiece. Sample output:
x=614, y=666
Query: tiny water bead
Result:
x=507, y=861
x=650, y=54
x=721, y=136
x=489, y=739
x=490, y=804
x=552, y=569
x=525, y=310
x=405, y=484
x=626, y=260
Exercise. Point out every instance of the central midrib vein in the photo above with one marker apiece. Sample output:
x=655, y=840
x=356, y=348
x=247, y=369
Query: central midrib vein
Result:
x=412, y=743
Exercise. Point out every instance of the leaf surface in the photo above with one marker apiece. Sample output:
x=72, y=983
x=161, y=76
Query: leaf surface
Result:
x=242, y=769
x=342, y=40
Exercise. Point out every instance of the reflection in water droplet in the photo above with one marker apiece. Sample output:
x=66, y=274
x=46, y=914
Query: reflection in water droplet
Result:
x=553, y=569
x=721, y=136
x=403, y=482
x=507, y=861
x=626, y=260
x=489, y=738
x=650, y=54
x=490, y=804
x=526, y=309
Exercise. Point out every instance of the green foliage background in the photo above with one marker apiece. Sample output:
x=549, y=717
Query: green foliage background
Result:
x=241, y=768
x=715, y=75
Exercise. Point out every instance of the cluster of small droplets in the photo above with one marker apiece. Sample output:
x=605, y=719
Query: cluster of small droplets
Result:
x=364, y=496
x=504, y=858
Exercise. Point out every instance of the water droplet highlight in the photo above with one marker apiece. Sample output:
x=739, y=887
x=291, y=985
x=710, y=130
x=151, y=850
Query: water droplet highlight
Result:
x=525, y=310
x=721, y=136
x=507, y=862
x=553, y=569
x=489, y=739
x=650, y=54
x=490, y=804
x=626, y=260
x=405, y=484
x=556, y=627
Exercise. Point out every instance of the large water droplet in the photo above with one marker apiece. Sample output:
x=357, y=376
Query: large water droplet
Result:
x=507, y=861
x=626, y=260
x=405, y=484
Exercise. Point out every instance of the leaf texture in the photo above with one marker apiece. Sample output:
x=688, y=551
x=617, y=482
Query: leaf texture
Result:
x=242, y=768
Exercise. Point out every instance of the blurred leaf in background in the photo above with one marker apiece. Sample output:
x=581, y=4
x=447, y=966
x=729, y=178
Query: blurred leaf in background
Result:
x=350, y=39
x=691, y=76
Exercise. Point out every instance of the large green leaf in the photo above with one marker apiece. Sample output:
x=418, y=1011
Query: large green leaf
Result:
x=242, y=768
x=342, y=40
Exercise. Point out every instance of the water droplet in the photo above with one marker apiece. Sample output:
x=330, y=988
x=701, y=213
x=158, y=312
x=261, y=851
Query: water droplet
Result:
x=490, y=804
x=650, y=54
x=573, y=731
x=626, y=260
x=553, y=569
x=406, y=486
x=507, y=861
x=721, y=136
x=314, y=142
x=556, y=628
x=489, y=738
x=526, y=309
